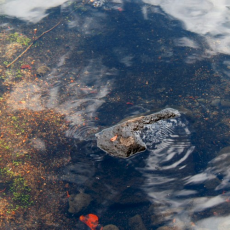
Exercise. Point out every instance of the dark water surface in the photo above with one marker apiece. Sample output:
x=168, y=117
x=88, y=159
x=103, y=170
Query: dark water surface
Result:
x=104, y=62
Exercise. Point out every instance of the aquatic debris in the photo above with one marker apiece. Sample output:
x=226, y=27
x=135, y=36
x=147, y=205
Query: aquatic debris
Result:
x=67, y=194
x=26, y=67
x=114, y=138
x=3, y=190
x=91, y=221
x=35, y=31
x=129, y=134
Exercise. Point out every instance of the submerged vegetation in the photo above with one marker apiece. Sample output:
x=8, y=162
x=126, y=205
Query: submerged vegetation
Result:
x=19, y=38
x=17, y=188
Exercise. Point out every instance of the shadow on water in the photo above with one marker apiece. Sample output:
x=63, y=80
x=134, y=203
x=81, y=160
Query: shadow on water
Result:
x=144, y=67
x=140, y=60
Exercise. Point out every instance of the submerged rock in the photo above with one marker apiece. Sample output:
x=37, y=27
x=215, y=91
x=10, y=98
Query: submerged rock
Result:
x=79, y=202
x=215, y=102
x=225, y=103
x=42, y=70
x=110, y=227
x=136, y=223
x=127, y=138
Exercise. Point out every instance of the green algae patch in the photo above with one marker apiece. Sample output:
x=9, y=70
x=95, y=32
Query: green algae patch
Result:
x=19, y=38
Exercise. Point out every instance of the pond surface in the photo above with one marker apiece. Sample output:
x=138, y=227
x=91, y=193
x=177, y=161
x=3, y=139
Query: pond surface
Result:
x=69, y=69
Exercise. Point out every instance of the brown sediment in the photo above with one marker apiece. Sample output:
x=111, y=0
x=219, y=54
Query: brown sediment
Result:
x=20, y=159
x=33, y=146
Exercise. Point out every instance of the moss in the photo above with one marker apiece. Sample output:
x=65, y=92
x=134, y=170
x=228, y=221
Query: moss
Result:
x=16, y=163
x=5, y=62
x=21, y=39
x=4, y=145
x=18, y=73
x=21, y=192
x=6, y=173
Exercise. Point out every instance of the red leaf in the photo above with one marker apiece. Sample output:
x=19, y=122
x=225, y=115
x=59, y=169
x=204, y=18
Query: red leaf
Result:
x=90, y=220
x=26, y=67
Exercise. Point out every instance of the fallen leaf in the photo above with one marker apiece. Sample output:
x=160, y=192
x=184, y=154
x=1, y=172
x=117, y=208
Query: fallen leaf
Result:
x=114, y=138
x=91, y=221
x=67, y=193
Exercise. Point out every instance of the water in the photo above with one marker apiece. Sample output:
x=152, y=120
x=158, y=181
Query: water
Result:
x=108, y=61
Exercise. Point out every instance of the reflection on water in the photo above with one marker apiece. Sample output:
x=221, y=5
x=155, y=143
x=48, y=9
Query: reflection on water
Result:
x=26, y=10
x=167, y=166
x=105, y=62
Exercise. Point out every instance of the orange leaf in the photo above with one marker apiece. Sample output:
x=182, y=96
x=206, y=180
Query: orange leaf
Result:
x=192, y=224
x=90, y=220
x=67, y=194
x=114, y=138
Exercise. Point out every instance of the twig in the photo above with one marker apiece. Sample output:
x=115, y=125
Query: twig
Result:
x=19, y=55
x=3, y=190
x=47, y=31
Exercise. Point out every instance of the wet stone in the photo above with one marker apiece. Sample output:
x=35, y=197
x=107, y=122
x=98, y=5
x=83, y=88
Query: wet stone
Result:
x=224, y=150
x=136, y=223
x=110, y=227
x=215, y=102
x=225, y=103
x=125, y=139
x=78, y=203
x=42, y=70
